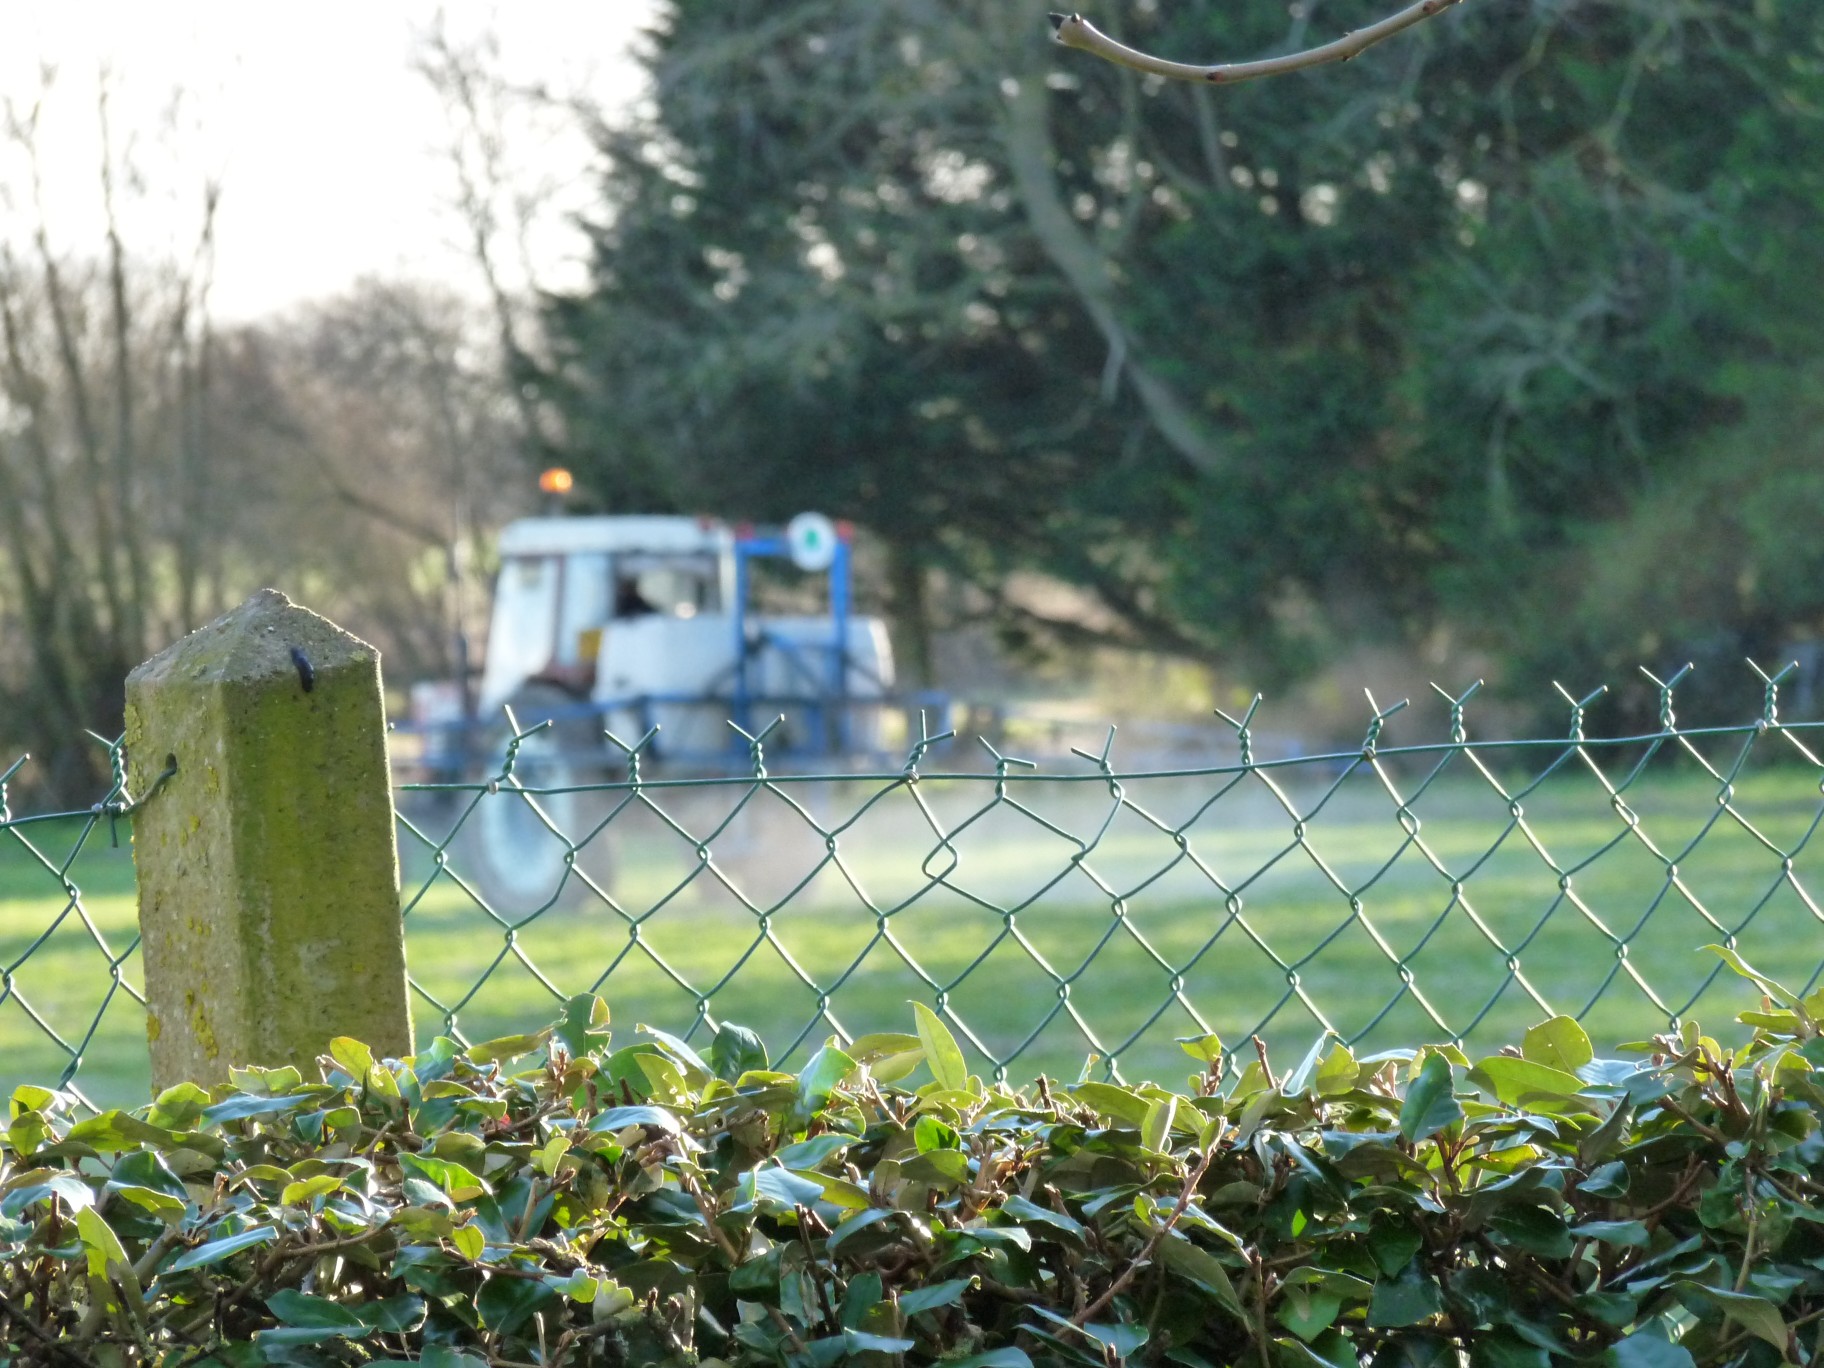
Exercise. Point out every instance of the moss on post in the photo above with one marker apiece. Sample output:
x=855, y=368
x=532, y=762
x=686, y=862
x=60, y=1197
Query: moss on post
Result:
x=268, y=871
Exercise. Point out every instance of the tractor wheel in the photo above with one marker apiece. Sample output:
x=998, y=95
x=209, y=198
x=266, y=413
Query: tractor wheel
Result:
x=518, y=842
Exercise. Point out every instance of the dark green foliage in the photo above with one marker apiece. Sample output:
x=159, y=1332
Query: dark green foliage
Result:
x=519, y=1203
x=1437, y=324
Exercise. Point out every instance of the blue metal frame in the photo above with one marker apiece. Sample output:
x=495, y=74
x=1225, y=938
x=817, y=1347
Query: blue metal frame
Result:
x=772, y=544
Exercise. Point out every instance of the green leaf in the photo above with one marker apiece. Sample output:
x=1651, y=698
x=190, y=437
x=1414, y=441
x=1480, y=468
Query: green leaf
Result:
x=1008, y=1357
x=1206, y=1049
x=1025, y=1212
x=505, y=1304
x=443, y=1356
x=582, y=1025
x=504, y=1048
x=469, y=1241
x=941, y=1050
x=1203, y=1271
x=1632, y=1234
x=1121, y=1105
x=1307, y=1312
x=1758, y=1316
x=1156, y=1128
x=1121, y=1339
x=930, y=1297
x=1337, y=1074
x=1559, y=1043
x=1430, y=1105
x=1502, y=1348
x=619, y=1118
x=1300, y=1078
x=215, y=1251
x=824, y=1072
x=106, y=1256
x=888, y=1055
x=117, y=1130
x=1406, y=1300
x=735, y=1051
x=1533, y=1229
x=1645, y=1349
x=1416, y=1351
x=160, y=1204
x=810, y=1154
x=1781, y=994
x=1522, y=1082
x=304, y=1190
x=305, y=1312
x=451, y=1177
x=778, y=1188
x=399, y=1315
x=855, y=1224
x=356, y=1060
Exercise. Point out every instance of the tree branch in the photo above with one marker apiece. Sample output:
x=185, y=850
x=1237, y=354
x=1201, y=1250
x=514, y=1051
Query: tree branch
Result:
x=1074, y=31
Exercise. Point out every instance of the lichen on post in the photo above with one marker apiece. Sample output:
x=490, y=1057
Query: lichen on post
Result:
x=267, y=865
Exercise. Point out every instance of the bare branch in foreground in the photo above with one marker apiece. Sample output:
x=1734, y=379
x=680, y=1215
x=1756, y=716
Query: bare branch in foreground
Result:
x=1073, y=30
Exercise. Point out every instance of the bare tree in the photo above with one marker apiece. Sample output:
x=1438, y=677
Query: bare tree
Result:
x=104, y=469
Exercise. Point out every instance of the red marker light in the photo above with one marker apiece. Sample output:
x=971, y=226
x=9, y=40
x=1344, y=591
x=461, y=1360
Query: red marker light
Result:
x=556, y=480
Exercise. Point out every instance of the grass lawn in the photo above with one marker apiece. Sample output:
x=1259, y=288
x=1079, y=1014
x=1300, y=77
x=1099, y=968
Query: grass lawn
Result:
x=1390, y=926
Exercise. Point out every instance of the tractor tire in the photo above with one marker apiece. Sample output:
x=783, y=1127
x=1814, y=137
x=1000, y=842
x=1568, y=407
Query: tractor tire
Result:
x=516, y=845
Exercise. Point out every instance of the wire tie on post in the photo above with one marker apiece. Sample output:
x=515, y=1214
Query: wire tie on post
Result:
x=6, y=813
x=756, y=745
x=1377, y=722
x=1100, y=761
x=514, y=742
x=1458, y=733
x=1667, y=718
x=1243, y=731
x=1770, y=698
x=1000, y=766
x=1579, y=706
x=919, y=747
x=633, y=752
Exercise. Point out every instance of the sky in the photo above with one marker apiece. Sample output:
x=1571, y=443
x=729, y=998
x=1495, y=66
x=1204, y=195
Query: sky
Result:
x=332, y=152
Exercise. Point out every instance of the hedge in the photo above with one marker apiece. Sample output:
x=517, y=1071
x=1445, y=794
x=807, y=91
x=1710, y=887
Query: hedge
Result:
x=550, y=1199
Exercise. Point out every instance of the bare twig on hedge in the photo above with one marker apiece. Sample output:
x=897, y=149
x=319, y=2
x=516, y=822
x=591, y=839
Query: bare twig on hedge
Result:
x=31, y=1327
x=1074, y=31
x=1134, y=1266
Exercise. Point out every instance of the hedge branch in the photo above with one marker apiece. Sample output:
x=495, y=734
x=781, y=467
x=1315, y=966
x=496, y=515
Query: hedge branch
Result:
x=1074, y=31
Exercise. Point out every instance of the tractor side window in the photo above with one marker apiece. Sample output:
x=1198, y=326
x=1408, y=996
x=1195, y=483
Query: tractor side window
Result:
x=585, y=607
x=676, y=586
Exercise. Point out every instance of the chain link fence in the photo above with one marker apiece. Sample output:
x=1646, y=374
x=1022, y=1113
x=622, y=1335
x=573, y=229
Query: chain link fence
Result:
x=1455, y=889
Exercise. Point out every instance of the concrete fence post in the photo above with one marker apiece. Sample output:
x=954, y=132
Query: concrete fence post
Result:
x=267, y=866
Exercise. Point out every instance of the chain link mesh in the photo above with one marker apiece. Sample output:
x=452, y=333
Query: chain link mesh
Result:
x=1452, y=890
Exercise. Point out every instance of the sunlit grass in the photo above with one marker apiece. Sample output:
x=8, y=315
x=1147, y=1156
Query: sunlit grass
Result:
x=1042, y=952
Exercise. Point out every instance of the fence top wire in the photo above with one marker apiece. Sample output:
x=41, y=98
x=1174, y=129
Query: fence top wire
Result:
x=1521, y=917
x=1384, y=894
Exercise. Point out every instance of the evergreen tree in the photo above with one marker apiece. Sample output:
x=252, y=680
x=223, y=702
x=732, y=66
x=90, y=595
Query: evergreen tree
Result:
x=1367, y=350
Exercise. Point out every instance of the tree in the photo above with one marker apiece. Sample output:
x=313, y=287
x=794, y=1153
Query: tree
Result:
x=1353, y=353
x=107, y=478
x=386, y=443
